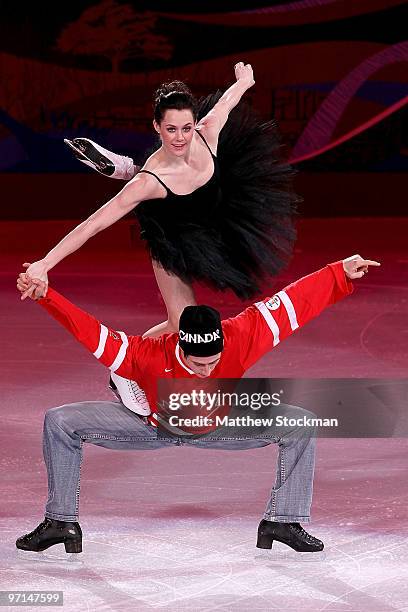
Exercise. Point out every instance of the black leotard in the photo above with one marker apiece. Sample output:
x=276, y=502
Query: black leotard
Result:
x=236, y=229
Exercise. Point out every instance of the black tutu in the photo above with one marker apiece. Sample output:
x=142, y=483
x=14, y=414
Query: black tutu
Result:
x=236, y=231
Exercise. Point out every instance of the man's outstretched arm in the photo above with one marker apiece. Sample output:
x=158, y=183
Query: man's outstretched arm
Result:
x=307, y=297
x=268, y=322
x=114, y=349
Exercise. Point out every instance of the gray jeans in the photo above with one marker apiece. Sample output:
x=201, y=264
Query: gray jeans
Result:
x=111, y=425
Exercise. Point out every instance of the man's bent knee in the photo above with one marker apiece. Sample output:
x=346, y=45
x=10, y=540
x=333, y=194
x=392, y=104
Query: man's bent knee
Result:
x=299, y=421
x=59, y=415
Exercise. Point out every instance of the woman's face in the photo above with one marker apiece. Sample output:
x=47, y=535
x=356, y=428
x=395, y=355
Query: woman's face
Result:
x=176, y=130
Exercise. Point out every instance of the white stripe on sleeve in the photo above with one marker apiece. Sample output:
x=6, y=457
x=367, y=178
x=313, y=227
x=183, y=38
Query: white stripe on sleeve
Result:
x=102, y=341
x=121, y=353
x=273, y=326
x=290, y=309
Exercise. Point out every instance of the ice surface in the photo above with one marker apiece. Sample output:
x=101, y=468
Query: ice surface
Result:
x=176, y=529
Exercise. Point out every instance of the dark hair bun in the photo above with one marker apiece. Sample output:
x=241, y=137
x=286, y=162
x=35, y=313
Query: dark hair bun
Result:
x=171, y=87
x=173, y=95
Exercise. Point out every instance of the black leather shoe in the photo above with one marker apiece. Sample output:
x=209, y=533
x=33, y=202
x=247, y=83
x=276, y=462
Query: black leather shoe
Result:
x=51, y=532
x=291, y=534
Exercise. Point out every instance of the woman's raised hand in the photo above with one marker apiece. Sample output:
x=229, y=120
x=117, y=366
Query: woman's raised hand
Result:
x=244, y=72
x=37, y=270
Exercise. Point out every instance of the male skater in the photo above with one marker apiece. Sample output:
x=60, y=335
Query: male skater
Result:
x=204, y=348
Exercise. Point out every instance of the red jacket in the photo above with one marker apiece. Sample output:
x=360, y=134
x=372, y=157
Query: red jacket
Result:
x=247, y=337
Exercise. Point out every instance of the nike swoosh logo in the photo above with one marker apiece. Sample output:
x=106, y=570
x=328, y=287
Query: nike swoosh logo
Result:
x=168, y=370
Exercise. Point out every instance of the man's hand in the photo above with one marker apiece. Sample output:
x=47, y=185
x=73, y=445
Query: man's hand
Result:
x=356, y=267
x=34, y=288
x=37, y=270
x=243, y=72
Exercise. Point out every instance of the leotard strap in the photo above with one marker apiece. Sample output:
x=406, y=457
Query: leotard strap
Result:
x=205, y=142
x=159, y=179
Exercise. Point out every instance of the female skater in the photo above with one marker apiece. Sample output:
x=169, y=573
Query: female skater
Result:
x=213, y=207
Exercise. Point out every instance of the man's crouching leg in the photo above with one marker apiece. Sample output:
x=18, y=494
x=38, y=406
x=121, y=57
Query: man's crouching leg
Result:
x=291, y=497
x=62, y=450
x=66, y=428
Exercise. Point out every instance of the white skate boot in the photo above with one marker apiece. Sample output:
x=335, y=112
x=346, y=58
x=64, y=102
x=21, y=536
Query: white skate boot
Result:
x=130, y=394
x=100, y=159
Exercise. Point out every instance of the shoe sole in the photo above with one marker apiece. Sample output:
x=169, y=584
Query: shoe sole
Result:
x=266, y=542
x=71, y=546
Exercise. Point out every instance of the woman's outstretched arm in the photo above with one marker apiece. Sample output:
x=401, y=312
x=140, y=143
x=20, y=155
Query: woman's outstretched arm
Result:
x=215, y=120
x=142, y=187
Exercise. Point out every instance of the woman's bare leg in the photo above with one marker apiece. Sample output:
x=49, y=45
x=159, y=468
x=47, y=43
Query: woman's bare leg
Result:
x=176, y=295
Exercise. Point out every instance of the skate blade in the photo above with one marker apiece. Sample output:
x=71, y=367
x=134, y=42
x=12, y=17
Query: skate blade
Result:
x=48, y=556
x=78, y=154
